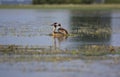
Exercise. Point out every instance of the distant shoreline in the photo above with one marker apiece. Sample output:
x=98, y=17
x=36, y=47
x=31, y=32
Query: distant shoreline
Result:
x=65, y=6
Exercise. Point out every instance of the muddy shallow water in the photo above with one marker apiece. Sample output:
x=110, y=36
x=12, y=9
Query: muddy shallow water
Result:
x=27, y=49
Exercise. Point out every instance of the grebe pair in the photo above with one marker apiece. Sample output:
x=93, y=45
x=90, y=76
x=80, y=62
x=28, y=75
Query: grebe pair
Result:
x=60, y=31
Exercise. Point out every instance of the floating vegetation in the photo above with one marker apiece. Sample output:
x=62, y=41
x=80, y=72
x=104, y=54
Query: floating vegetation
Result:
x=88, y=50
x=16, y=53
x=91, y=28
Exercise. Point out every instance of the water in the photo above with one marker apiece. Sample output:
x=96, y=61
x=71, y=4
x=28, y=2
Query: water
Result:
x=31, y=28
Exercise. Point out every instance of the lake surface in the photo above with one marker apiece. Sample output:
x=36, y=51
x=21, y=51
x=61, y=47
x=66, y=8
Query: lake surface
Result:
x=31, y=28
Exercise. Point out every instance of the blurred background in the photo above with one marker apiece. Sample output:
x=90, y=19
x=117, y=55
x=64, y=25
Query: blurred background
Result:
x=59, y=1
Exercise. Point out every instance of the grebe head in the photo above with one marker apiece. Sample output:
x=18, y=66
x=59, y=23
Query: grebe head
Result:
x=54, y=24
x=59, y=24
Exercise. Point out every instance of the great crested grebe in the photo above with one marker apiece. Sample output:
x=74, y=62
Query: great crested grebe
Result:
x=60, y=31
x=59, y=34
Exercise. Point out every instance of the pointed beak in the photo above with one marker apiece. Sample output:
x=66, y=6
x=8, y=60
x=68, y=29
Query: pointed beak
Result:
x=53, y=24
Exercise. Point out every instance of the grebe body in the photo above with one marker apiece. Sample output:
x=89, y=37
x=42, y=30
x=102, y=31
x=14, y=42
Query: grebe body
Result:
x=57, y=34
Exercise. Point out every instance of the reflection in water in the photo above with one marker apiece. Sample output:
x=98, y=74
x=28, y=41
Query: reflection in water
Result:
x=58, y=41
x=32, y=27
x=91, y=27
x=29, y=50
